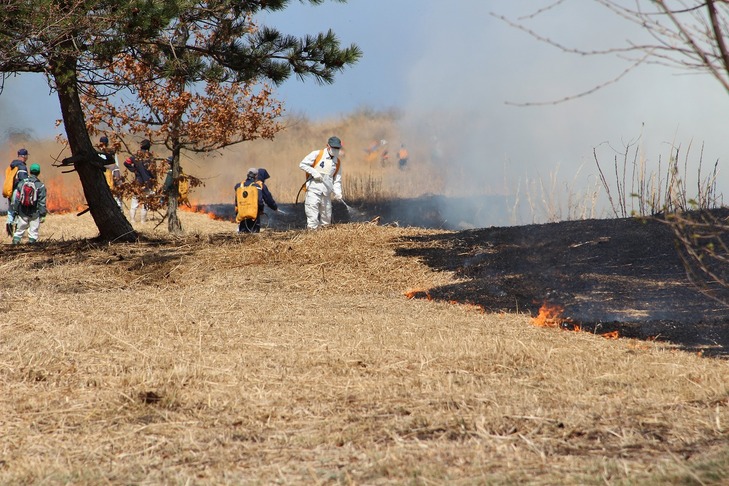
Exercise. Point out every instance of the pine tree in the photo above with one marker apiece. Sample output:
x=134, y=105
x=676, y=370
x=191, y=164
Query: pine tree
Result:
x=75, y=43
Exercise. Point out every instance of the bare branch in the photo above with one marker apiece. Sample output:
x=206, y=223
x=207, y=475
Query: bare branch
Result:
x=584, y=93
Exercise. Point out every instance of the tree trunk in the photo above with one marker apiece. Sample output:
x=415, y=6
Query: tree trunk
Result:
x=174, y=225
x=107, y=215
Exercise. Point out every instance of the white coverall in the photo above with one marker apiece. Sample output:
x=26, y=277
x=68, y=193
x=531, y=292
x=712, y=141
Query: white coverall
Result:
x=24, y=222
x=318, y=202
x=136, y=203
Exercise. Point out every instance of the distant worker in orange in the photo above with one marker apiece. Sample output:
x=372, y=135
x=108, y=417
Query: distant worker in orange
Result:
x=371, y=151
x=14, y=176
x=402, y=157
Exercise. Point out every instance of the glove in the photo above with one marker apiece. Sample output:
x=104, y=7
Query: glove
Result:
x=337, y=197
x=43, y=219
x=317, y=177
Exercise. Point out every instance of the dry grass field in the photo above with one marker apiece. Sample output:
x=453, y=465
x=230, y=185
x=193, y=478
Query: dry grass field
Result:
x=295, y=358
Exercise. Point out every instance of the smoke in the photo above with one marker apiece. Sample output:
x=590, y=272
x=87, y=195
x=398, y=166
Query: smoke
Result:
x=23, y=109
x=13, y=130
x=474, y=69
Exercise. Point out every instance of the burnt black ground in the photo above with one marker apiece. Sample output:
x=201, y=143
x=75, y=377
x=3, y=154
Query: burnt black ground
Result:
x=426, y=212
x=608, y=274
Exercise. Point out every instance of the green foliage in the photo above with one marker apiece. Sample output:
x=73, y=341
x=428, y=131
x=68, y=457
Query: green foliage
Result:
x=160, y=33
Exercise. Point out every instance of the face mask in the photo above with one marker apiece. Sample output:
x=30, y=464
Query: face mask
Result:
x=334, y=152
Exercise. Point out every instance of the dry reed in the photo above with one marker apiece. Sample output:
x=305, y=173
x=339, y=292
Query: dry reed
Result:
x=294, y=357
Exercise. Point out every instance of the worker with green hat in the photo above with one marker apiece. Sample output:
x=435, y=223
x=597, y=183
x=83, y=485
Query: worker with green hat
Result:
x=29, y=206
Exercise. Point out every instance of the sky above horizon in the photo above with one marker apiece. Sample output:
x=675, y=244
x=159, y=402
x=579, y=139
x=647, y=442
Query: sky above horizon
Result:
x=462, y=69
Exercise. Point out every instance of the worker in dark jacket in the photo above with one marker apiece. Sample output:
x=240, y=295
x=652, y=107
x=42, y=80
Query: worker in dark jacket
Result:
x=20, y=168
x=142, y=166
x=249, y=212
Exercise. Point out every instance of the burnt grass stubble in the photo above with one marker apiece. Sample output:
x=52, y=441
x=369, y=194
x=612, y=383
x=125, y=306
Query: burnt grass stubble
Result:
x=623, y=275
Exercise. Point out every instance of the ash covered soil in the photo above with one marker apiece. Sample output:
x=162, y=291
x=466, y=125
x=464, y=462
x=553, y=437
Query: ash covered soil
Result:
x=623, y=275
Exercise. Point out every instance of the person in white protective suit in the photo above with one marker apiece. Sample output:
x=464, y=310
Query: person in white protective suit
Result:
x=324, y=182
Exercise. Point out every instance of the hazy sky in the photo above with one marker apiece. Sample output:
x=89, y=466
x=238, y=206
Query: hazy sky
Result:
x=457, y=66
x=429, y=57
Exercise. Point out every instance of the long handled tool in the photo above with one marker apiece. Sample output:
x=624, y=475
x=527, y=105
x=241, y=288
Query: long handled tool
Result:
x=345, y=205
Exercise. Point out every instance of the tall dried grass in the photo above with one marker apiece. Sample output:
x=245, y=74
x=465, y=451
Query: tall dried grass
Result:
x=364, y=179
x=429, y=171
x=634, y=188
x=293, y=357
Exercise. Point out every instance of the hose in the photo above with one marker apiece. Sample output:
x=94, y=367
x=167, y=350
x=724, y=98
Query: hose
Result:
x=303, y=186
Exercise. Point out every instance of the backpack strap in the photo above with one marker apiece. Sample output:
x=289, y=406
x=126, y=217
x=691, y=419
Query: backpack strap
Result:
x=16, y=177
x=318, y=159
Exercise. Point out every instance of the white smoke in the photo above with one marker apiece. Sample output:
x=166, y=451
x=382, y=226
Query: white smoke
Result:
x=472, y=64
x=27, y=108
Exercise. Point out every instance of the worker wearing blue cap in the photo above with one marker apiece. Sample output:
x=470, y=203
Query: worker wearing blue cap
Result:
x=14, y=175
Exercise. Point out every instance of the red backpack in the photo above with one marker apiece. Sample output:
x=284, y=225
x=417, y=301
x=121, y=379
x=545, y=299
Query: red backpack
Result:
x=27, y=194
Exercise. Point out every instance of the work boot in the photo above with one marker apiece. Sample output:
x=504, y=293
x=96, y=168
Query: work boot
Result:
x=16, y=241
x=31, y=241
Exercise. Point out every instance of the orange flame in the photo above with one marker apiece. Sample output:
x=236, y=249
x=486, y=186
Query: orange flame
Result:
x=411, y=294
x=64, y=195
x=549, y=316
x=194, y=208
